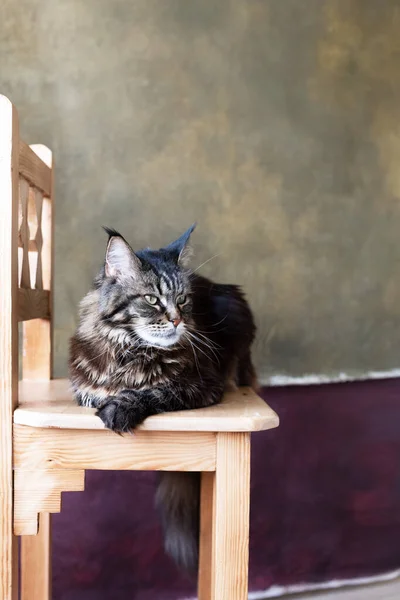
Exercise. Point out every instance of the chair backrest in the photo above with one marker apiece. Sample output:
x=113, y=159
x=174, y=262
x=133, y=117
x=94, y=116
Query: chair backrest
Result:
x=26, y=264
x=26, y=225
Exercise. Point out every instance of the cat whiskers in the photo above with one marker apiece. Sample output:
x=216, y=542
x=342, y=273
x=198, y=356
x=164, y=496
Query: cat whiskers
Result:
x=195, y=358
x=208, y=344
x=206, y=340
x=213, y=325
x=194, y=337
x=221, y=321
x=98, y=355
x=206, y=261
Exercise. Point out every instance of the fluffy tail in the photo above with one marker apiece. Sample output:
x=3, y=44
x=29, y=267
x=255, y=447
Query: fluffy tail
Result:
x=178, y=500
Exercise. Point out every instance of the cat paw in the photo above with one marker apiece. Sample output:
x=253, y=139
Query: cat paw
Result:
x=118, y=417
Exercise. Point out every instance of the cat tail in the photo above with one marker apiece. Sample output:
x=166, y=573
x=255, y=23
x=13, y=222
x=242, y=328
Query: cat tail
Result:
x=246, y=373
x=178, y=501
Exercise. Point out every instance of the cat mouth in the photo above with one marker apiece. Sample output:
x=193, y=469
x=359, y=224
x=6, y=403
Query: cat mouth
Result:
x=168, y=338
x=170, y=334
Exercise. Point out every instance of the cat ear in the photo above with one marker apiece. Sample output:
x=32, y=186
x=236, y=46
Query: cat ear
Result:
x=121, y=262
x=180, y=248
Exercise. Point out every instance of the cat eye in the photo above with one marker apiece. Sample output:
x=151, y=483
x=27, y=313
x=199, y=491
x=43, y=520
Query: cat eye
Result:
x=151, y=299
x=181, y=299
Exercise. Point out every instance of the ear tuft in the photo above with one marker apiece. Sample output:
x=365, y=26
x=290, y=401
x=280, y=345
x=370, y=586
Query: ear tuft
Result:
x=180, y=248
x=111, y=232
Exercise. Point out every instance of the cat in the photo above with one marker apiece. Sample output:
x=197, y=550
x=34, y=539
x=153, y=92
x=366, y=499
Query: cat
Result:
x=154, y=336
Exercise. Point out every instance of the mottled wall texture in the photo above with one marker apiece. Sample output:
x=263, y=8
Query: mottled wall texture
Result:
x=274, y=124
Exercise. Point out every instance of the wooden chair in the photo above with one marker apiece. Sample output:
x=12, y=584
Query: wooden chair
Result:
x=47, y=442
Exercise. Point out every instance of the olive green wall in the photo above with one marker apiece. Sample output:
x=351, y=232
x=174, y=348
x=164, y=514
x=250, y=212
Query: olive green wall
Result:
x=275, y=124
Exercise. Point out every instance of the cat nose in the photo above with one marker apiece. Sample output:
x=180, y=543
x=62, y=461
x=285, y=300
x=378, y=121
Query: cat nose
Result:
x=176, y=321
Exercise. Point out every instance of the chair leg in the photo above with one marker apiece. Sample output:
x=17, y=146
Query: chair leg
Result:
x=224, y=529
x=9, y=547
x=9, y=573
x=36, y=562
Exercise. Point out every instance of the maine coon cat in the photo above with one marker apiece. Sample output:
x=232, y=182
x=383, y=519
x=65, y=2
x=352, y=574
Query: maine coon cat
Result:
x=154, y=336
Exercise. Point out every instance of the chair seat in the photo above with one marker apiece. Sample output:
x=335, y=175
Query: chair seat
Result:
x=50, y=404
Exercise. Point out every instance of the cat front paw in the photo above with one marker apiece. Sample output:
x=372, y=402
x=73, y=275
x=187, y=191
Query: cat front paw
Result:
x=118, y=416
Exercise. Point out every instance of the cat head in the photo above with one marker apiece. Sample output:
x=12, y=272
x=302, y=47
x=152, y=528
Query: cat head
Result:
x=147, y=292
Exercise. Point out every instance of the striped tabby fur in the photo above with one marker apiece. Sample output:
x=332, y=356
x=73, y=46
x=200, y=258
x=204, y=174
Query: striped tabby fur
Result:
x=154, y=336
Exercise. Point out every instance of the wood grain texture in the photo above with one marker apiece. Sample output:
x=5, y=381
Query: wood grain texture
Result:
x=39, y=491
x=230, y=548
x=36, y=563
x=207, y=503
x=8, y=338
x=32, y=168
x=57, y=449
x=50, y=404
x=33, y=304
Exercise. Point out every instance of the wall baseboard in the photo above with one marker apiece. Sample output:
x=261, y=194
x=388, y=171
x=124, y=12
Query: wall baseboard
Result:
x=281, y=380
x=276, y=591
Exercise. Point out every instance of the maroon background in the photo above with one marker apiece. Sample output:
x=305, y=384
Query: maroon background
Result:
x=325, y=504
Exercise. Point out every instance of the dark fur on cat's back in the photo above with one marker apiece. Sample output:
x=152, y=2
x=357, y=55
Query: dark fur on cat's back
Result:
x=155, y=337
